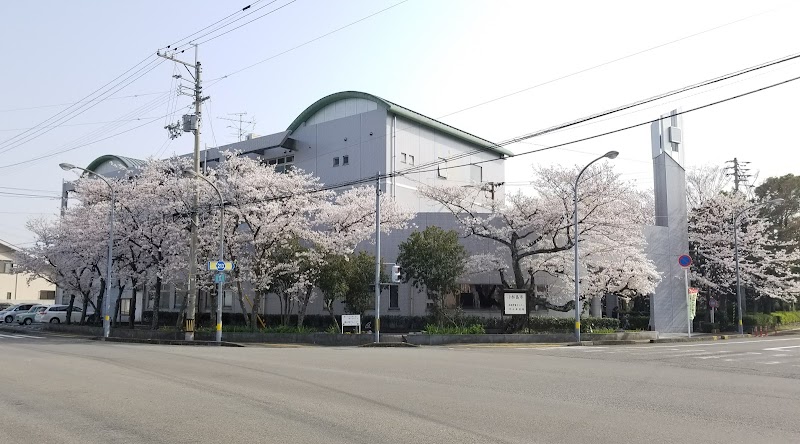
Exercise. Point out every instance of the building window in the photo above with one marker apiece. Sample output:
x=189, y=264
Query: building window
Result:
x=476, y=173
x=44, y=294
x=163, y=301
x=8, y=295
x=125, y=307
x=394, y=297
x=345, y=160
x=6, y=267
x=180, y=298
x=336, y=161
x=227, y=301
x=403, y=158
x=442, y=168
x=410, y=159
x=282, y=164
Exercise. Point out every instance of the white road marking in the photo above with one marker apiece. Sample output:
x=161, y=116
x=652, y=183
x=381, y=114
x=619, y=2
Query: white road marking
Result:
x=20, y=336
x=769, y=363
x=782, y=348
x=727, y=356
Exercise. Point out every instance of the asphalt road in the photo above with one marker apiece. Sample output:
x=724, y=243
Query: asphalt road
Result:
x=64, y=390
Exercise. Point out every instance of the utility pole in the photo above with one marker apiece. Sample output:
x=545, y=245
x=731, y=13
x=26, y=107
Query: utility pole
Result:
x=491, y=186
x=240, y=130
x=739, y=172
x=192, y=123
x=378, y=257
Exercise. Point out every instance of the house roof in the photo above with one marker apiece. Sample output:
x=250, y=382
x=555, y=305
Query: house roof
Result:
x=400, y=111
x=126, y=162
x=8, y=245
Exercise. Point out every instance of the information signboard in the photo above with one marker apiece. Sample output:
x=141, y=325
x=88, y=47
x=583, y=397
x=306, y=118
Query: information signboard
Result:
x=515, y=302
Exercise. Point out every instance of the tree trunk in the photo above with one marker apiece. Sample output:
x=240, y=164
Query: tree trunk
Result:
x=241, y=304
x=301, y=310
x=182, y=312
x=85, y=307
x=329, y=308
x=254, y=312
x=98, y=312
x=156, y=304
x=132, y=310
x=69, y=308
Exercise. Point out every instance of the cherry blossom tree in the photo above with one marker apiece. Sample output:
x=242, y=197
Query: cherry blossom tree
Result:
x=764, y=262
x=534, y=232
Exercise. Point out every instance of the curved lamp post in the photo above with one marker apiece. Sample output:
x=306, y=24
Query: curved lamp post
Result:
x=608, y=155
x=190, y=173
x=107, y=297
x=736, y=255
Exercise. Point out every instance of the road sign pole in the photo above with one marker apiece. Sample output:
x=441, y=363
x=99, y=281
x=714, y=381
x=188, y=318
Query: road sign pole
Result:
x=688, y=310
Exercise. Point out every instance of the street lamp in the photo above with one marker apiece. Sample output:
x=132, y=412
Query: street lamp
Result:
x=190, y=173
x=107, y=297
x=608, y=155
x=736, y=254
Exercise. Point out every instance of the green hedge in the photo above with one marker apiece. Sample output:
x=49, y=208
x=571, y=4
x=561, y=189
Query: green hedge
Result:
x=786, y=317
x=405, y=324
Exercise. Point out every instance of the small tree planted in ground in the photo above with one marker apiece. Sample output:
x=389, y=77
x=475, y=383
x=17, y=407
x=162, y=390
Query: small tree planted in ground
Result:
x=433, y=259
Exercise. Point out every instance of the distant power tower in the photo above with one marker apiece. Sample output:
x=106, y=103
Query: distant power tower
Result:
x=739, y=171
x=240, y=125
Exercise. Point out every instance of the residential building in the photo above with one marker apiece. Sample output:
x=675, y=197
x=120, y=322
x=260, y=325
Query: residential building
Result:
x=15, y=288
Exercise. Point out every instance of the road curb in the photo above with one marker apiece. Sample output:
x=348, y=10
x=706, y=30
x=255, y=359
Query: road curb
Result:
x=388, y=344
x=699, y=339
x=167, y=342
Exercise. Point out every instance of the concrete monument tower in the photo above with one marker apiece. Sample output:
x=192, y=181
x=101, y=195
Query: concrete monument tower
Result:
x=669, y=237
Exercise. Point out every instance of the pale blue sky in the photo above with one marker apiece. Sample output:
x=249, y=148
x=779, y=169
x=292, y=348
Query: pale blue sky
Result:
x=433, y=56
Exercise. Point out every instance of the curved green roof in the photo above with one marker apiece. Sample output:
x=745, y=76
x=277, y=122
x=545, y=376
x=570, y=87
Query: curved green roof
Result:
x=400, y=111
x=127, y=162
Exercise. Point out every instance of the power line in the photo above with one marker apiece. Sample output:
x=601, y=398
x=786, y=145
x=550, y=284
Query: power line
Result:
x=83, y=100
x=247, y=23
x=131, y=96
x=218, y=79
x=516, y=139
x=604, y=64
x=77, y=124
x=638, y=103
x=141, y=72
x=174, y=45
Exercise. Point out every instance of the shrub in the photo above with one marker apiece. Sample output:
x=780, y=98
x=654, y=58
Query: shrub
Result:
x=474, y=329
x=786, y=317
x=757, y=320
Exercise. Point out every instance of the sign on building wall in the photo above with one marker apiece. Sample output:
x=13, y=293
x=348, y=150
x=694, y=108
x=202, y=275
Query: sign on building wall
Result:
x=515, y=302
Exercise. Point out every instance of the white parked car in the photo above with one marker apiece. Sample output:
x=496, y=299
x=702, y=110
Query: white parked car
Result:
x=9, y=313
x=57, y=314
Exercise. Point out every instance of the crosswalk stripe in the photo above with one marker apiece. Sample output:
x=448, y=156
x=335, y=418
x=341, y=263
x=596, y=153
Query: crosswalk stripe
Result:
x=20, y=336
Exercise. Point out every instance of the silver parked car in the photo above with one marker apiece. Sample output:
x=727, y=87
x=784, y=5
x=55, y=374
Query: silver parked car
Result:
x=9, y=313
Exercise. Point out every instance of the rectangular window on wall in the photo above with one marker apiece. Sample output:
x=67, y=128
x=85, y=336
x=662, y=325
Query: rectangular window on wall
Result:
x=410, y=159
x=163, y=302
x=345, y=160
x=336, y=161
x=180, y=296
x=475, y=173
x=125, y=307
x=227, y=302
x=394, y=297
x=44, y=294
x=8, y=295
x=6, y=267
x=403, y=158
x=442, y=168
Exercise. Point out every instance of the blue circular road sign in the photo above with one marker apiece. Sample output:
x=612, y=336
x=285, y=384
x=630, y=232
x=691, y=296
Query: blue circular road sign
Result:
x=220, y=265
x=685, y=261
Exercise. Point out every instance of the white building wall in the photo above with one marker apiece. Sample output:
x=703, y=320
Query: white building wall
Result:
x=14, y=287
